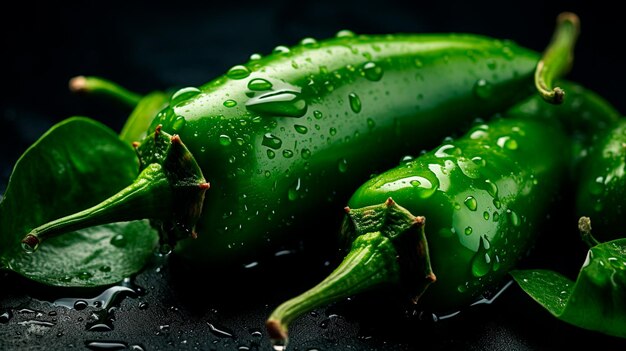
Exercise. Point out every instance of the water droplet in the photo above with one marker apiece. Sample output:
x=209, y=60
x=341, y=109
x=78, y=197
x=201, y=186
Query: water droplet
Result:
x=143, y=306
x=372, y=71
x=230, y=103
x=496, y=263
x=370, y=123
x=479, y=161
x=492, y=188
x=513, y=217
x=292, y=193
x=268, y=174
x=256, y=57
x=468, y=230
x=270, y=154
x=332, y=131
x=178, y=123
x=507, y=142
x=447, y=150
x=183, y=95
x=5, y=316
x=219, y=332
x=481, y=262
x=415, y=182
x=225, y=140
x=104, y=269
x=118, y=240
x=272, y=141
x=232, y=159
x=287, y=153
x=496, y=216
x=486, y=215
x=287, y=103
x=309, y=42
x=355, y=102
x=497, y=203
x=305, y=153
x=259, y=84
x=238, y=72
x=281, y=49
x=470, y=168
x=300, y=128
x=342, y=165
x=483, y=89
x=345, y=33
x=105, y=345
x=418, y=63
x=80, y=305
x=317, y=114
x=471, y=203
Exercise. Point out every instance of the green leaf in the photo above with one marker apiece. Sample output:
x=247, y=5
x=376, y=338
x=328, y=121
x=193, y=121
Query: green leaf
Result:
x=75, y=165
x=596, y=301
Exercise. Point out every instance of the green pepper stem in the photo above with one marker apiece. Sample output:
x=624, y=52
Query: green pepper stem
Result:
x=148, y=195
x=557, y=59
x=371, y=262
x=584, y=227
x=170, y=189
x=100, y=86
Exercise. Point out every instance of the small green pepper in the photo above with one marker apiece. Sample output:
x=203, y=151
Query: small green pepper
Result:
x=282, y=134
x=478, y=202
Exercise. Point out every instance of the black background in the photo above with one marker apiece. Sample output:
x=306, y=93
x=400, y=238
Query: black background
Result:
x=146, y=46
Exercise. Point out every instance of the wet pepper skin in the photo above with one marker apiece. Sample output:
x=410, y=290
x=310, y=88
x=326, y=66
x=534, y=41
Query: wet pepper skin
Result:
x=281, y=135
x=481, y=196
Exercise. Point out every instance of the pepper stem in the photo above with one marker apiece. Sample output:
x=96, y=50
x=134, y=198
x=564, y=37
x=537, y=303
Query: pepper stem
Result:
x=389, y=247
x=170, y=188
x=371, y=262
x=100, y=86
x=584, y=227
x=557, y=59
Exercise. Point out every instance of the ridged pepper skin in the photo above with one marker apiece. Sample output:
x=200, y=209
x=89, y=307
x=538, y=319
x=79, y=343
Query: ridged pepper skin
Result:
x=285, y=134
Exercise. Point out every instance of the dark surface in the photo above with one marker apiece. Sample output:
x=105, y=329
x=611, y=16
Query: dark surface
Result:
x=147, y=47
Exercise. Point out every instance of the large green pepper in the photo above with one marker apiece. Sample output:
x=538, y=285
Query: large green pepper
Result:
x=282, y=135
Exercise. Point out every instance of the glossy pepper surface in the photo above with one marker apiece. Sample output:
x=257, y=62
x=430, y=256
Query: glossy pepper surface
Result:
x=602, y=183
x=462, y=222
x=302, y=127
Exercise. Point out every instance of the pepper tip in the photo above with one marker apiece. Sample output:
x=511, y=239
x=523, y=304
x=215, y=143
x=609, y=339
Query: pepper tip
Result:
x=30, y=243
x=78, y=84
x=276, y=331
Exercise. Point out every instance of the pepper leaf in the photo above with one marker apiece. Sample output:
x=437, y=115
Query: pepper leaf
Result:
x=75, y=165
x=596, y=301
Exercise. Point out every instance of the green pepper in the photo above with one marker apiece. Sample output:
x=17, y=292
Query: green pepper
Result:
x=483, y=196
x=282, y=135
x=463, y=214
x=602, y=183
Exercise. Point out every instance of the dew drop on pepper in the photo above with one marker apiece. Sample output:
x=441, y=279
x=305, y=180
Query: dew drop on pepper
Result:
x=471, y=203
x=300, y=129
x=238, y=72
x=372, y=71
x=271, y=141
x=483, y=89
x=355, y=102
